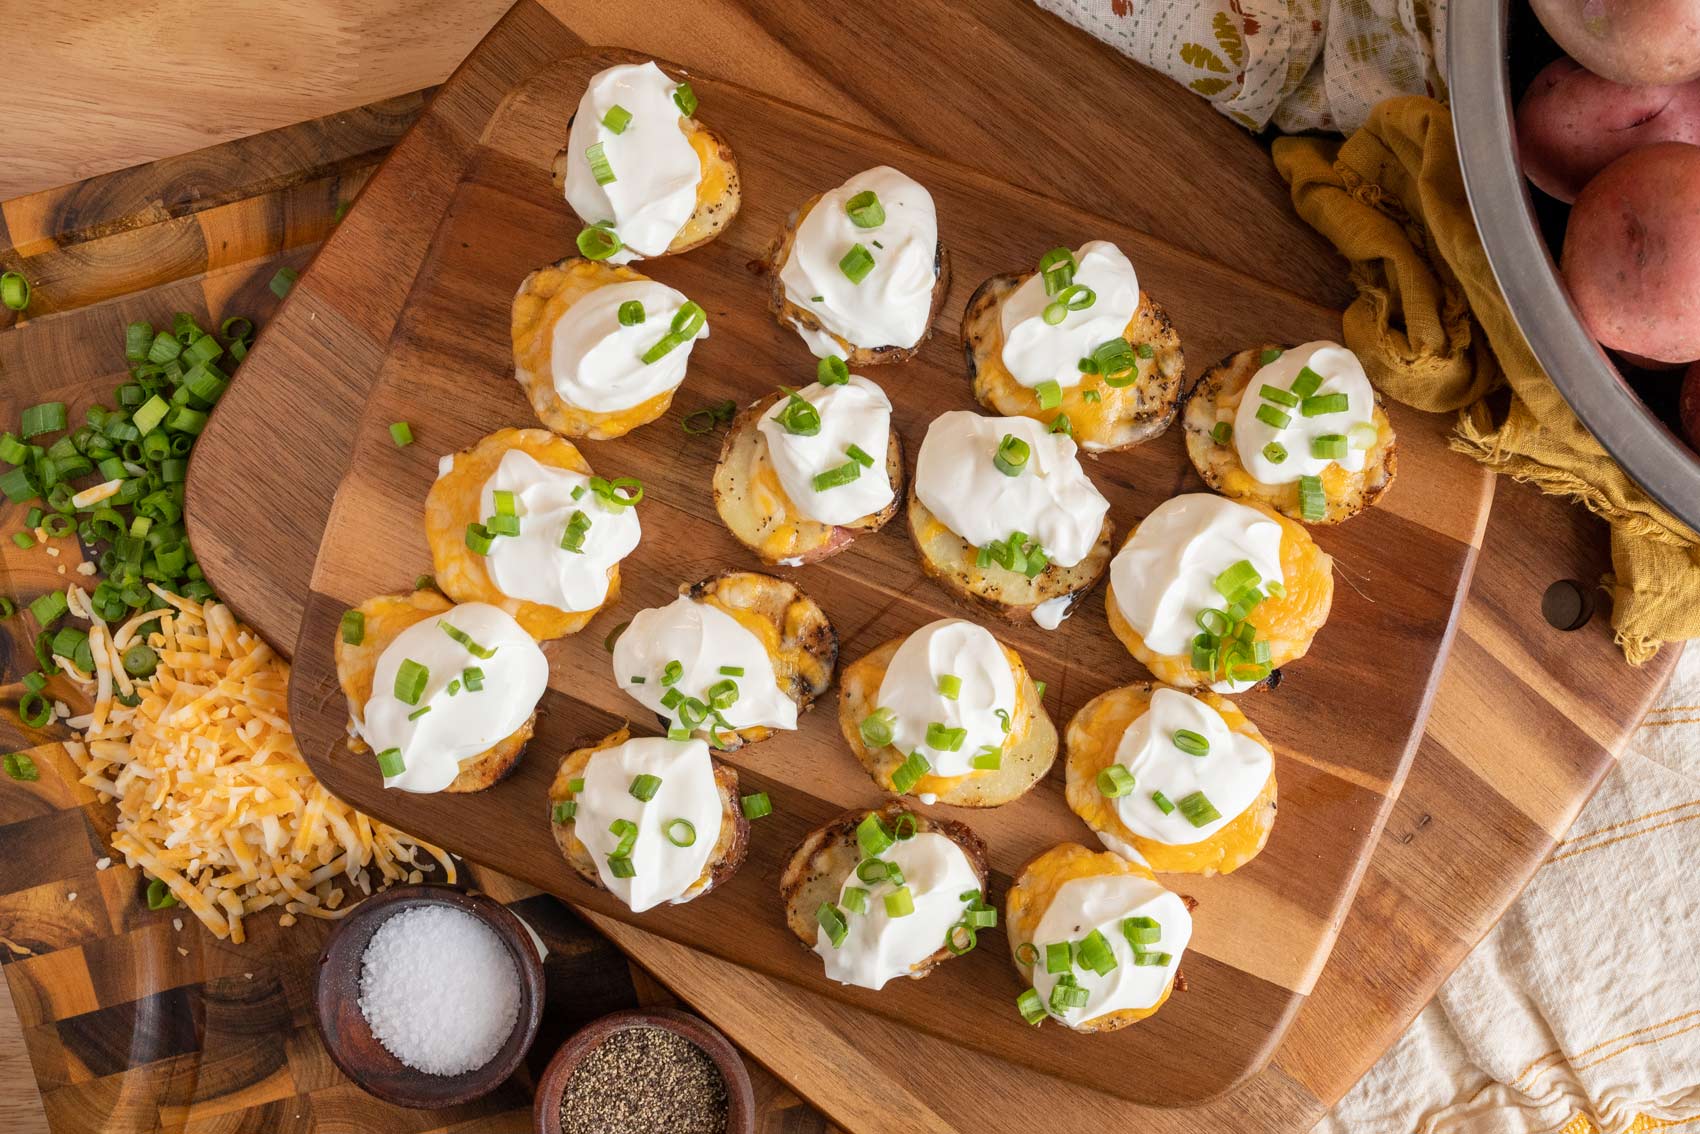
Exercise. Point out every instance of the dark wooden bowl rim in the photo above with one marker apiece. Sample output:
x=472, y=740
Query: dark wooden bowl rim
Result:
x=348, y=1038
x=740, y=1099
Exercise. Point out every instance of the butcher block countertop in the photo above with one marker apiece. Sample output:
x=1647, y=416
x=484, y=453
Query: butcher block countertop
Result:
x=122, y=1029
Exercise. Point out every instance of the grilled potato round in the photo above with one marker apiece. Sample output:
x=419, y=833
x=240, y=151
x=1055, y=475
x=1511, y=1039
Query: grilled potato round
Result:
x=755, y=508
x=828, y=854
x=800, y=641
x=1092, y=738
x=718, y=193
x=855, y=354
x=1028, y=752
x=1035, y=886
x=453, y=503
x=1216, y=397
x=386, y=617
x=1122, y=417
x=1289, y=622
x=543, y=297
x=1010, y=595
x=729, y=846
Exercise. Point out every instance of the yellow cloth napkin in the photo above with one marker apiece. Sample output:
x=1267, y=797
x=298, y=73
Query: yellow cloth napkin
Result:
x=1434, y=332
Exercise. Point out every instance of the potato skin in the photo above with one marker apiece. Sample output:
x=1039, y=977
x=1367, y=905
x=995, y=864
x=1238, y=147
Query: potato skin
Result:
x=1632, y=253
x=1571, y=123
x=1639, y=42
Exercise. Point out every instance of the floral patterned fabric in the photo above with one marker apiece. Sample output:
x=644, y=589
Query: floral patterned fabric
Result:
x=1296, y=64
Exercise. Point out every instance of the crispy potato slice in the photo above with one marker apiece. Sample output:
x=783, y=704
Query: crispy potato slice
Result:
x=755, y=507
x=1122, y=417
x=1092, y=738
x=730, y=845
x=855, y=354
x=1029, y=750
x=828, y=854
x=453, y=503
x=386, y=617
x=1216, y=397
x=1289, y=622
x=543, y=297
x=1010, y=595
x=719, y=193
x=1035, y=886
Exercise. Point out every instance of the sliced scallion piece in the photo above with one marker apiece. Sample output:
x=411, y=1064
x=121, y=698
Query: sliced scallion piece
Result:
x=600, y=168
x=410, y=679
x=950, y=686
x=390, y=763
x=617, y=119
x=466, y=641
x=1272, y=417
x=401, y=433
x=865, y=210
x=831, y=921
x=1012, y=455
x=756, y=805
x=1198, y=810
x=1329, y=447
x=1279, y=396
x=1190, y=742
x=872, y=836
x=856, y=264
x=680, y=832
x=909, y=773
x=1307, y=383
x=598, y=241
x=1115, y=781
x=644, y=786
x=900, y=902
x=832, y=371
x=1222, y=432
x=631, y=313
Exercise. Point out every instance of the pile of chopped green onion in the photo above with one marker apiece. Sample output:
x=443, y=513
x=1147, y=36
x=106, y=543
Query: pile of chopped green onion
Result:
x=1227, y=644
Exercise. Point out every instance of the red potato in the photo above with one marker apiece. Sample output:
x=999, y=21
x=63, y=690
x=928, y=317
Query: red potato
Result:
x=1640, y=42
x=1571, y=124
x=1688, y=405
x=1632, y=253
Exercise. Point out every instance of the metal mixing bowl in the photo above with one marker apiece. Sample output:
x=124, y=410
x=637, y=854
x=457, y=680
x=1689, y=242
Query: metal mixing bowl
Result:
x=1485, y=60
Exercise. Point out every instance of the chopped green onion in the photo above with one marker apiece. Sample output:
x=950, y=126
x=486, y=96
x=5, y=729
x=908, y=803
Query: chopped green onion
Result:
x=20, y=767
x=160, y=896
x=1192, y=743
x=1363, y=435
x=627, y=832
x=1275, y=452
x=465, y=640
x=756, y=805
x=832, y=371
x=960, y=939
x=799, y=417
x=831, y=920
x=572, y=536
x=1222, y=432
x=680, y=832
x=1307, y=383
x=284, y=281
x=874, y=870
x=900, y=902
x=34, y=710
x=685, y=98
x=1067, y=994
x=1141, y=931
x=1151, y=960
x=48, y=608
x=856, y=264
x=24, y=540
x=563, y=812
x=1272, y=417
x=140, y=660
x=942, y=738
x=620, y=866
x=1058, y=958
x=617, y=119
x=600, y=169
x=410, y=679
x=631, y=313
x=859, y=455
x=479, y=539
x=1074, y=297
x=672, y=672
x=872, y=836
x=909, y=773
x=1012, y=455
x=1328, y=447
x=48, y=417
x=1027, y=953
x=621, y=492
x=878, y=727
x=419, y=712
x=1061, y=424
x=1048, y=393
x=950, y=686
x=390, y=763
x=903, y=830
x=1056, y=269
x=1313, y=502
x=1091, y=396
x=1115, y=781
x=1095, y=953
x=1279, y=396
x=150, y=413
x=401, y=433
x=1269, y=355
x=837, y=476
x=687, y=321
x=722, y=694
x=644, y=786
x=14, y=290
x=1031, y=1006
x=1236, y=578
x=865, y=210
x=1198, y=810
x=598, y=241
x=1116, y=363
x=855, y=899
x=987, y=759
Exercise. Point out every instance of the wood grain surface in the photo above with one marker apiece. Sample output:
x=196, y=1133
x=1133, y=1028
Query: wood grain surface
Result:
x=1260, y=934
x=1523, y=712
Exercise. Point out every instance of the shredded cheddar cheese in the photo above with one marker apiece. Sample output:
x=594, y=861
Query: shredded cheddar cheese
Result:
x=214, y=799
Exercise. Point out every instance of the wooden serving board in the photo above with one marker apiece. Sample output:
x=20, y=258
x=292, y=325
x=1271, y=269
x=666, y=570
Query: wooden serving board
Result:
x=1262, y=933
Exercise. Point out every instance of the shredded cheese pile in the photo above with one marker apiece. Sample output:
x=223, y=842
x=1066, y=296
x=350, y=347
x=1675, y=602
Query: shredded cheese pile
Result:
x=214, y=799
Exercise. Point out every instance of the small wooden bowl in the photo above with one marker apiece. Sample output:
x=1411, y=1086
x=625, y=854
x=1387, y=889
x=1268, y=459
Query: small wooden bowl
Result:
x=740, y=1099
x=348, y=1037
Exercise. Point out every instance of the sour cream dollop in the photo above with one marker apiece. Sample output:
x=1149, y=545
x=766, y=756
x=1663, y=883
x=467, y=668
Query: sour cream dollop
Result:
x=664, y=870
x=656, y=171
x=879, y=946
x=460, y=724
x=597, y=363
x=1231, y=774
x=1102, y=902
x=1050, y=499
x=984, y=683
x=703, y=640
x=1166, y=573
x=533, y=565
x=892, y=303
x=1035, y=351
x=854, y=413
x=1341, y=373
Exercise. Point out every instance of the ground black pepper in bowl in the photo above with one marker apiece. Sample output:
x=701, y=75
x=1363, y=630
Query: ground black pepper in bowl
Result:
x=645, y=1080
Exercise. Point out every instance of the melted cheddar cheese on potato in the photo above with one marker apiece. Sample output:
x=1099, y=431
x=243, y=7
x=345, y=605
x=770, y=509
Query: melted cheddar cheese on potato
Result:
x=639, y=166
x=520, y=521
x=1299, y=430
x=1166, y=598
x=1029, y=334
x=1195, y=789
x=599, y=348
x=952, y=698
x=1097, y=938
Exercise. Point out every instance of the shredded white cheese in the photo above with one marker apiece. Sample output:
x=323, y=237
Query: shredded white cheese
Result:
x=214, y=799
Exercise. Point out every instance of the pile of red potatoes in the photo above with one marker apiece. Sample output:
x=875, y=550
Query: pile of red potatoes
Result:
x=1614, y=130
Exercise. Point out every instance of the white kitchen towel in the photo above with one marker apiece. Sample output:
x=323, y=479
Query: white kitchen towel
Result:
x=1299, y=64
x=1581, y=1008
